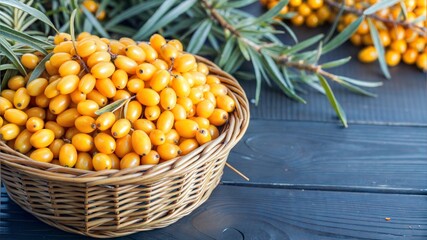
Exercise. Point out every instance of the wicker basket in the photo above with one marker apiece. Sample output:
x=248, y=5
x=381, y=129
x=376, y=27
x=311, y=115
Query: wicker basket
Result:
x=115, y=203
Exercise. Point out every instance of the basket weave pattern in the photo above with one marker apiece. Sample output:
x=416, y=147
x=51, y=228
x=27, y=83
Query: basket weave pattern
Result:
x=115, y=203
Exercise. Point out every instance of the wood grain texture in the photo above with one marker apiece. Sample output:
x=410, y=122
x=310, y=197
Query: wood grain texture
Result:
x=261, y=213
x=316, y=155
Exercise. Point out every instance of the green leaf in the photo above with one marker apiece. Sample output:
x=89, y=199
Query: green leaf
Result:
x=199, y=37
x=257, y=65
x=9, y=73
x=335, y=23
x=288, y=30
x=32, y=11
x=39, y=68
x=238, y=3
x=7, y=66
x=226, y=52
x=134, y=10
x=95, y=23
x=332, y=100
x=270, y=14
x=379, y=47
x=7, y=50
x=243, y=49
x=12, y=34
x=343, y=36
x=336, y=63
x=361, y=83
x=72, y=31
x=354, y=89
x=112, y=106
x=380, y=5
x=303, y=45
x=404, y=11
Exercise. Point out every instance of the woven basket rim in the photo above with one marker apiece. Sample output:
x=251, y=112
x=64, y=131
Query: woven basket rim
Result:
x=232, y=132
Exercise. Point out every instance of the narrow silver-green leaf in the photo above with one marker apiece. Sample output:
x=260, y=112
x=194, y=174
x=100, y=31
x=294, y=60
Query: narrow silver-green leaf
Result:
x=72, y=30
x=336, y=63
x=7, y=50
x=332, y=100
x=226, y=52
x=343, y=36
x=135, y=10
x=35, y=43
x=95, y=23
x=7, y=75
x=199, y=37
x=380, y=5
x=355, y=89
x=243, y=49
x=256, y=63
x=270, y=14
x=7, y=66
x=32, y=11
x=361, y=83
x=380, y=48
x=39, y=68
x=112, y=106
x=335, y=23
x=303, y=45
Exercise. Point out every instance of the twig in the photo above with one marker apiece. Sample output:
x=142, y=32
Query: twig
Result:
x=236, y=171
x=403, y=23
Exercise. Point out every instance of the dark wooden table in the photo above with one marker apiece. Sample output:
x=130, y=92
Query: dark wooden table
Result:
x=310, y=178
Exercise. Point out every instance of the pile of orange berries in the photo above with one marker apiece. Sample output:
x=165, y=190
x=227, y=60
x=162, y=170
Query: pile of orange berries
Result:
x=401, y=44
x=92, y=7
x=171, y=104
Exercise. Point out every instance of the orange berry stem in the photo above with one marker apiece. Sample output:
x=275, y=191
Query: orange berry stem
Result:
x=85, y=68
x=403, y=23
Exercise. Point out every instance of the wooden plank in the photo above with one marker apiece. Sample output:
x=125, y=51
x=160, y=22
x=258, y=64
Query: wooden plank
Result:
x=261, y=213
x=314, y=155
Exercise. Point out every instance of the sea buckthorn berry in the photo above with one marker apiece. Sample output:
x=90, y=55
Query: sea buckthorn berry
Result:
x=36, y=112
x=160, y=80
x=323, y=13
x=141, y=143
x=125, y=63
x=196, y=95
x=90, y=5
x=127, y=41
x=115, y=161
x=185, y=102
x=392, y=58
x=312, y=20
x=103, y=70
x=422, y=61
x=368, y=54
x=96, y=96
x=50, y=69
x=213, y=130
x=168, y=52
x=133, y=111
x=385, y=38
x=83, y=35
x=186, y=128
x=84, y=161
x=86, y=48
x=190, y=78
x=179, y=112
x=218, y=117
x=148, y=97
x=117, y=47
x=184, y=62
x=157, y=137
x=9, y=131
x=58, y=59
x=203, y=136
x=199, y=79
x=145, y=71
x=64, y=47
x=297, y=20
x=157, y=41
x=135, y=84
x=15, y=116
x=4, y=105
x=105, y=143
x=42, y=138
x=22, y=142
x=135, y=53
x=55, y=147
x=397, y=32
x=42, y=155
x=165, y=121
x=123, y=146
x=37, y=86
x=145, y=125
x=226, y=103
x=105, y=121
x=29, y=60
x=202, y=68
x=16, y=82
x=410, y=56
x=218, y=89
x=101, y=15
x=61, y=37
x=67, y=117
x=101, y=161
x=98, y=57
x=295, y=3
x=130, y=160
x=304, y=10
x=67, y=155
x=201, y=122
x=210, y=96
x=399, y=46
x=410, y=35
x=77, y=96
x=120, y=79
x=21, y=98
x=121, y=94
x=70, y=67
x=172, y=136
x=205, y=108
x=168, y=98
x=121, y=128
x=106, y=87
x=177, y=44
x=8, y=94
x=82, y=142
x=160, y=64
x=34, y=124
x=212, y=79
x=51, y=90
x=58, y=130
x=150, y=53
x=85, y=124
x=68, y=84
x=1, y=121
x=188, y=145
x=168, y=151
x=69, y=134
x=151, y=158
x=418, y=44
x=59, y=104
x=181, y=86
